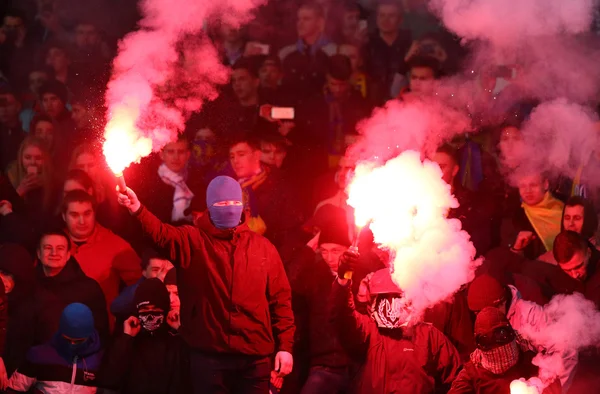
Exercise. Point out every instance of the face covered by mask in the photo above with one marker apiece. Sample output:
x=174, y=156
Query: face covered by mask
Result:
x=224, y=202
x=151, y=321
x=390, y=310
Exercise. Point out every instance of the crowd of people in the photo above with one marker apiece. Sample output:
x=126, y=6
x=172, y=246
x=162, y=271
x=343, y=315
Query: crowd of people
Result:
x=224, y=267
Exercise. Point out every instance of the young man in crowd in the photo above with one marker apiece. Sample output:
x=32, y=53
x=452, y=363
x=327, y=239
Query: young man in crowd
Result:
x=305, y=62
x=17, y=48
x=524, y=317
x=422, y=73
x=102, y=255
x=235, y=297
x=70, y=361
x=11, y=132
x=386, y=49
x=149, y=357
x=60, y=282
x=395, y=353
x=265, y=194
x=174, y=189
x=311, y=273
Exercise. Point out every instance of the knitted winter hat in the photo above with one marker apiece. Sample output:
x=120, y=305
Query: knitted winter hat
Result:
x=488, y=319
x=171, y=277
x=152, y=292
x=485, y=291
x=335, y=234
x=76, y=321
x=223, y=188
x=57, y=88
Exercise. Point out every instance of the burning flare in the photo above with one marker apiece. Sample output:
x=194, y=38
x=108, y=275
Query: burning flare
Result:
x=522, y=387
x=407, y=202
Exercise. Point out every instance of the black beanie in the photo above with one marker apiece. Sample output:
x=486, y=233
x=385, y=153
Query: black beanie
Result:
x=333, y=234
x=340, y=67
x=152, y=292
x=57, y=88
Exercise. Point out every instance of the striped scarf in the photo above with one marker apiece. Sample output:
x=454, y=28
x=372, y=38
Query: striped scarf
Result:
x=183, y=195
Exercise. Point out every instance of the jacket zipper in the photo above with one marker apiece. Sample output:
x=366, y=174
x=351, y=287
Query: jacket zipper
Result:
x=74, y=374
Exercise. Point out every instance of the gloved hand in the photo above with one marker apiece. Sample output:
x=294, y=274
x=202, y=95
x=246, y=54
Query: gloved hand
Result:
x=348, y=262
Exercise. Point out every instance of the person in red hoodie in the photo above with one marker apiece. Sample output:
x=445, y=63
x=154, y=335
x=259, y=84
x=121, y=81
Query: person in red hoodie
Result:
x=236, y=306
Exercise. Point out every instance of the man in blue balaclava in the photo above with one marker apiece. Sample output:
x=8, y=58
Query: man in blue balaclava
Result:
x=236, y=307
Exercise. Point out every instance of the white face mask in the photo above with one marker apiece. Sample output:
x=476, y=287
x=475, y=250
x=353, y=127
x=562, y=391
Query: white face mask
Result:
x=390, y=311
x=151, y=321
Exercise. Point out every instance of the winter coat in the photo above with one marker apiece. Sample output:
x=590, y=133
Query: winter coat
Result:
x=528, y=316
x=235, y=296
x=54, y=293
x=147, y=364
x=108, y=259
x=50, y=372
x=421, y=358
x=474, y=379
x=311, y=279
x=15, y=260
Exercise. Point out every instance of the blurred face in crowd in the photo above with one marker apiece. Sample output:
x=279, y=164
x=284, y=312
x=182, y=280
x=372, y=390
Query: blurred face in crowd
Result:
x=331, y=254
x=57, y=59
x=88, y=163
x=309, y=24
x=8, y=281
x=86, y=36
x=36, y=80
x=244, y=160
x=45, y=131
x=511, y=145
x=174, y=297
x=573, y=218
x=447, y=165
x=350, y=23
x=576, y=268
x=53, y=253
x=157, y=268
x=230, y=34
x=353, y=53
x=270, y=75
x=80, y=220
x=14, y=28
x=344, y=171
x=175, y=155
x=421, y=79
x=244, y=84
x=532, y=188
x=32, y=157
x=337, y=87
x=71, y=185
x=80, y=115
x=272, y=154
x=53, y=105
x=9, y=109
x=389, y=18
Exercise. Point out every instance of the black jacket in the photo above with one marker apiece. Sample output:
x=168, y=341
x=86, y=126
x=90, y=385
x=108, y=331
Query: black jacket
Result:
x=148, y=364
x=53, y=294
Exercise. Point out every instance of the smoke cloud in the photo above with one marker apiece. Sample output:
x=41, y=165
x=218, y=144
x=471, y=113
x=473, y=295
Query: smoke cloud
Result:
x=165, y=71
x=407, y=201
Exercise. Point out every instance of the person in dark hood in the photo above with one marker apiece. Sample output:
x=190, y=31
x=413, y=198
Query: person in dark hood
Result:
x=68, y=362
x=60, y=282
x=579, y=216
x=235, y=297
x=498, y=360
x=16, y=271
x=401, y=353
x=148, y=358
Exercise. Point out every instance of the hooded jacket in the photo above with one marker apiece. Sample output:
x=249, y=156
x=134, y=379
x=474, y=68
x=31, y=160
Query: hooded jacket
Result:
x=17, y=262
x=50, y=372
x=421, y=358
x=54, y=293
x=235, y=296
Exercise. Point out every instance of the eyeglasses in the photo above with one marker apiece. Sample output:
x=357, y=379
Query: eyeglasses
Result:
x=498, y=337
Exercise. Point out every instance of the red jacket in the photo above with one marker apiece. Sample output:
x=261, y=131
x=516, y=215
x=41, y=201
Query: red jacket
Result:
x=235, y=296
x=418, y=361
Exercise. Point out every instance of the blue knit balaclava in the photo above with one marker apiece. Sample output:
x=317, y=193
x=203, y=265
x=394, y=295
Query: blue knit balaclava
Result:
x=77, y=323
x=224, y=188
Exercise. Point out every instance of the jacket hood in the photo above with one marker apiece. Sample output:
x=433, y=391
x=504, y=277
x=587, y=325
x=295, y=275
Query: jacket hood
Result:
x=590, y=220
x=16, y=261
x=70, y=272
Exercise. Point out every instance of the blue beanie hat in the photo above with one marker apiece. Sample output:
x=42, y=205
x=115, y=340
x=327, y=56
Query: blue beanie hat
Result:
x=77, y=321
x=223, y=188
